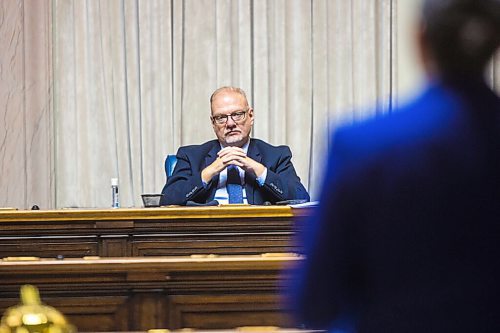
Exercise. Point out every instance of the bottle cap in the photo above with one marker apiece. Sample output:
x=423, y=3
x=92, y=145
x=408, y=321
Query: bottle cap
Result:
x=114, y=181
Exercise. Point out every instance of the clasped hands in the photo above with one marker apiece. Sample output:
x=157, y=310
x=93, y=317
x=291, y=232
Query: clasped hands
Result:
x=235, y=156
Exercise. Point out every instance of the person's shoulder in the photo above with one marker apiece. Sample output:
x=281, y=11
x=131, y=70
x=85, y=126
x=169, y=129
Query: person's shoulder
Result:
x=263, y=145
x=428, y=117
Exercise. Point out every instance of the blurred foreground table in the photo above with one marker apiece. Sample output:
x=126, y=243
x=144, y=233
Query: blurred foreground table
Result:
x=249, y=329
x=127, y=294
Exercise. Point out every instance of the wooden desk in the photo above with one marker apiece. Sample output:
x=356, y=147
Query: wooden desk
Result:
x=127, y=294
x=149, y=231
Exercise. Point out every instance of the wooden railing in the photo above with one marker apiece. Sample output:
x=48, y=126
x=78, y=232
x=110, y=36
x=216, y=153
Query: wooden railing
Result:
x=127, y=294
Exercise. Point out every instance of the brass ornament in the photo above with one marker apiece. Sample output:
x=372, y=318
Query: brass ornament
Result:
x=31, y=316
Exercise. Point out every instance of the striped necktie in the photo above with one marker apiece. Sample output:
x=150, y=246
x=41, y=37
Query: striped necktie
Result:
x=233, y=185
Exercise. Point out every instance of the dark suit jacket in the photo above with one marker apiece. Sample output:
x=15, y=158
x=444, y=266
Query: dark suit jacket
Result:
x=282, y=182
x=407, y=236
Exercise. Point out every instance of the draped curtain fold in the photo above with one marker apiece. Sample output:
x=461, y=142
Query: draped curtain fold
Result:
x=133, y=80
x=111, y=87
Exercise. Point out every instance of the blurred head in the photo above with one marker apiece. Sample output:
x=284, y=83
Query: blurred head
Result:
x=232, y=117
x=458, y=37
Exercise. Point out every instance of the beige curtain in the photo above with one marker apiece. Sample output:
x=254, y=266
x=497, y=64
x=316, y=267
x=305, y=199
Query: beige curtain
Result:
x=98, y=89
x=26, y=123
x=132, y=81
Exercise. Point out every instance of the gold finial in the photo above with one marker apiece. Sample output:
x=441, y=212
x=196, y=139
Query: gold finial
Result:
x=31, y=316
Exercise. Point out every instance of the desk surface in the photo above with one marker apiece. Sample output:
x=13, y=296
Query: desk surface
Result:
x=170, y=212
x=206, y=262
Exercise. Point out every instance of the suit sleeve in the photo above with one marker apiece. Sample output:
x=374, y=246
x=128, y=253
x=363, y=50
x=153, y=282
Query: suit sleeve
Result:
x=185, y=184
x=282, y=182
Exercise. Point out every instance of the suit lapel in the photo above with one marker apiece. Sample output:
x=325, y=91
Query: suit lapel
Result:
x=250, y=181
x=209, y=159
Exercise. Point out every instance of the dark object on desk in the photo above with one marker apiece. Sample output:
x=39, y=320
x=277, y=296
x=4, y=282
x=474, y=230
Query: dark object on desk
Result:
x=151, y=200
x=35, y=207
x=196, y=204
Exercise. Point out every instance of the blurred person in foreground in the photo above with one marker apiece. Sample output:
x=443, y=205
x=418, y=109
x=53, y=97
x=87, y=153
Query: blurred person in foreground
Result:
x=407, y=235
x=233, y=168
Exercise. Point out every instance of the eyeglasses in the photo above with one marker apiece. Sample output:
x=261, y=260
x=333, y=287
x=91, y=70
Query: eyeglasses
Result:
x=237, y=117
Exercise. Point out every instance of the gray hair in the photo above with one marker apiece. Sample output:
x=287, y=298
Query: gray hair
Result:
x=230, y=89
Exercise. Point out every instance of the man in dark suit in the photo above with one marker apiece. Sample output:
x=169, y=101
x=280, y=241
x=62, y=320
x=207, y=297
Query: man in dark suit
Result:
x=264, y=172
x=407, y=235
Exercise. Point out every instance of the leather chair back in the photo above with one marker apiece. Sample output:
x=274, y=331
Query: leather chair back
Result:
x=170, y=163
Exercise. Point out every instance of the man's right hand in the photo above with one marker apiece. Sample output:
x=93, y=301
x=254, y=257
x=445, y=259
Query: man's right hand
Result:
x=225, y=157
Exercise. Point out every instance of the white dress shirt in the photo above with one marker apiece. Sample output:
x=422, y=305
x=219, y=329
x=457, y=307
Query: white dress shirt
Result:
x=221, y=194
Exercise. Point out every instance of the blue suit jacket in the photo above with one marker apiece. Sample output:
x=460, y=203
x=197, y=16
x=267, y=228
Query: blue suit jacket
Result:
x=185, y=184
x=407, y=236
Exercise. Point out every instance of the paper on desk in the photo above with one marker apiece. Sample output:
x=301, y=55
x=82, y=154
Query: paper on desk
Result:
x=306, y=204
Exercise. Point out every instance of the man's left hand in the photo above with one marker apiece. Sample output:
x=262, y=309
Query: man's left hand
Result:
x=239, y=158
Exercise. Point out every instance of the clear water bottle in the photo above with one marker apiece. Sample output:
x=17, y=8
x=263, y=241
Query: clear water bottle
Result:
x=115, y=203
